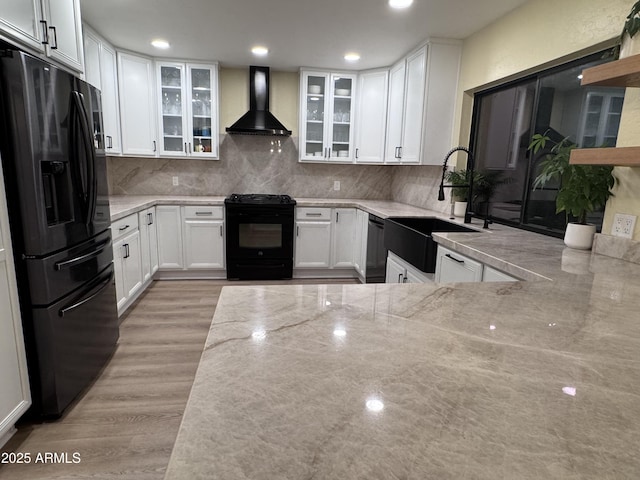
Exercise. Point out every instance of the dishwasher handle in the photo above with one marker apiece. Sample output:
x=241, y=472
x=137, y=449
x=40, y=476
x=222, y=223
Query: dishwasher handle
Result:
x=376, y=221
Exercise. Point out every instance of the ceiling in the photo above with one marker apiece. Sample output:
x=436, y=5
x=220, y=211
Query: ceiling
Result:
x=298, y=33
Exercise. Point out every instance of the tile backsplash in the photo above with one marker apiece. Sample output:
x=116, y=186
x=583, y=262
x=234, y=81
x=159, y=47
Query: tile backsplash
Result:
x=256, y=164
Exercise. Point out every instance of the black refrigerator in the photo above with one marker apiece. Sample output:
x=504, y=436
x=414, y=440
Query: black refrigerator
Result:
x=51, y=144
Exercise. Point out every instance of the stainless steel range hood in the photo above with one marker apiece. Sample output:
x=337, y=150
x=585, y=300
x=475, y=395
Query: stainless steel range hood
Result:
x=258, y=120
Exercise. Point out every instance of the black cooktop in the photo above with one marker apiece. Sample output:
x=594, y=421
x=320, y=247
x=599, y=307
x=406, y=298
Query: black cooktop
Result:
x=259, y=199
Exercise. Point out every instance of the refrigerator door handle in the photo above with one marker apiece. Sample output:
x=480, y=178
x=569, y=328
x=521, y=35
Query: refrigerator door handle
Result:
x=87, y=295
x=83, y=258
x=88, y=187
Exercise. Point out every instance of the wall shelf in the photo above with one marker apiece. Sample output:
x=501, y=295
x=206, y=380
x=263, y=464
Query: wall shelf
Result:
x=620, y=157
x=621, y=73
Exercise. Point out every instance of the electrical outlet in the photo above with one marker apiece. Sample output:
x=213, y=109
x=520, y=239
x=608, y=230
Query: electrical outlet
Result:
x=336, y=185
x=175, y=181
x=623, y=225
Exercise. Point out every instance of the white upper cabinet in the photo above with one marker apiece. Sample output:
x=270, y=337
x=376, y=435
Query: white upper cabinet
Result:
x=395, y=112
x=188, y=106
x=406, y=104
x=137, y=105
x=422, y=97
x=371, y=115
x=64, y=32
x=101, y=72
x=20, y=20
x=443, y=70
x=51, y=27
x=327, y=116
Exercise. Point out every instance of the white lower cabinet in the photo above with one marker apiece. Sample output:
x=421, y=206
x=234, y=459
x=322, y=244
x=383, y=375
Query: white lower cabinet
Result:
x=343, y=239
x=362, y=232
x=203, y=237
x=401, y=271
x=325, y=238
x=313, y=238
x=127, y=260
x=169, y=237
x=453, y=267
x=490, y=274
x=148, y=242
x=191, y=237
x=15, y=397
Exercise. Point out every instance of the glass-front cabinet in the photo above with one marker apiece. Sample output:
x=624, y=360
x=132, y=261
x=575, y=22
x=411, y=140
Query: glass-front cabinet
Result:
x=188, y=110
x=326, y=117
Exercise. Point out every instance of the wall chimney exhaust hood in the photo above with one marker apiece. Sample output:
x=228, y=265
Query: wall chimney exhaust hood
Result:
x=258, y=120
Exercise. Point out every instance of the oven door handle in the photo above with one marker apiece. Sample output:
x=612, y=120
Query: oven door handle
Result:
x=82, y=299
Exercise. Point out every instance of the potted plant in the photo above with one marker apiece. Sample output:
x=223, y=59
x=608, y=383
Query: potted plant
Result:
x=582, y=188
x=459, y=194
x=629, y=46
x=485, y=183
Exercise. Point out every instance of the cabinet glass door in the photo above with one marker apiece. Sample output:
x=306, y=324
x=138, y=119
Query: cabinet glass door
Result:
x=342, y=108
x=201, y=116
x=315, y=104
x=171, y=82
x=601, y=119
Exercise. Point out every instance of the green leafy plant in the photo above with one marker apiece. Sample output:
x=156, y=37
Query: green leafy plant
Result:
x=632, y=24
x=486, y=182
x=583, y=188
x=459, y=177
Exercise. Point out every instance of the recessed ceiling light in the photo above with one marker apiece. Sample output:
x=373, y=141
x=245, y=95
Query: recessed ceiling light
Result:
x=400, y=3
x=158, y=43
x=352, y=57
x=260, y=51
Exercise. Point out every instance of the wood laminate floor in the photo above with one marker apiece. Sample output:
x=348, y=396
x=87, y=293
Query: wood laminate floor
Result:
x=126, y=423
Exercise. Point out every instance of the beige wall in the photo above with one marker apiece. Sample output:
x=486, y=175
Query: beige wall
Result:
x=234, y=97
x=538, y=35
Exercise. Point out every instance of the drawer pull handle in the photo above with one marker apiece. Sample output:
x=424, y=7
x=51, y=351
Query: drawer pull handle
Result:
x=122, y=229
x=204, y=213
x=454, y=258
x=313, y=214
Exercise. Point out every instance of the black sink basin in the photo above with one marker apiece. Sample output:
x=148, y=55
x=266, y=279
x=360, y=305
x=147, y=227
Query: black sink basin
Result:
x=410, y=238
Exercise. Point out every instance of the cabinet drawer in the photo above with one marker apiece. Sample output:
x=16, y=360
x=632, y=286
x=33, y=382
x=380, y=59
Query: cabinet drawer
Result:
x=313, y=213
x=203, y=212
x=123, y=226
x=453, y=267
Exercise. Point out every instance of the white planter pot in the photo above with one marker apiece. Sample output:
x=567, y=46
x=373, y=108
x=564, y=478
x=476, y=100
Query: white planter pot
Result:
x=579, y=236
x=459, y=209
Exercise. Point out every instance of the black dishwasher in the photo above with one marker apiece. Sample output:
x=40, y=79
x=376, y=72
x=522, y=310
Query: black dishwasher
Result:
x=376, y=253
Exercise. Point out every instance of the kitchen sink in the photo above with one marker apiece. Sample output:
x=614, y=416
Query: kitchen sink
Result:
x=410, y=238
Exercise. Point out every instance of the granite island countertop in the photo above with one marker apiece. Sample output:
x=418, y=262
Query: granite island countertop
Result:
x=527, y=380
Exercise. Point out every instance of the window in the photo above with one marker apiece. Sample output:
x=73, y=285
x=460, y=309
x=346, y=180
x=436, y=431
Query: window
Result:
x=552, y=102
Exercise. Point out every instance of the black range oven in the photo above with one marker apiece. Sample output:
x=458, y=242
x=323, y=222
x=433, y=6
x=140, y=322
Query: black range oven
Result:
x=259, y=236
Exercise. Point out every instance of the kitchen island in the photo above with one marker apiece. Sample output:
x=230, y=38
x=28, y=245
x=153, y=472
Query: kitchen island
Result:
x=524, y=380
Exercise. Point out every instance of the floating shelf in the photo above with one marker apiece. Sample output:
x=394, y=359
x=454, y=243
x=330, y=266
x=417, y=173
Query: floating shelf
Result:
x=621, y=73
x=620, y=157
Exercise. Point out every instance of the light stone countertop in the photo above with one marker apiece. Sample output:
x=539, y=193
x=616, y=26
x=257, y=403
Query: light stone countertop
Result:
x=501, y=246
x=525, y=380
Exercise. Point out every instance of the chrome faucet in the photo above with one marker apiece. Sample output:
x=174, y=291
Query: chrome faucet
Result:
x=468, y=213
